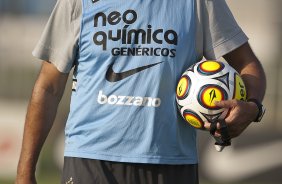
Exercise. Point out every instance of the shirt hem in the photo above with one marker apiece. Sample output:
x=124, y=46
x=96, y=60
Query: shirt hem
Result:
x=48, y=54
x=227, y=45
x=133, y=159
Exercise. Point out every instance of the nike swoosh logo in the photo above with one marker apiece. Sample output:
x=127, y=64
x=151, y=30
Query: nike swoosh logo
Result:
x=245, y=162
x=112, y=76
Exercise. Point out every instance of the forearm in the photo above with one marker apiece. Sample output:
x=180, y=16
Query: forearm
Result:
x=39, y=120
x=250, y=69
x=41, y=113
x=255, y=81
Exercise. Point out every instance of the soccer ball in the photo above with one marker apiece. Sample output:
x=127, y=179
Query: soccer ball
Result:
x=201, y=85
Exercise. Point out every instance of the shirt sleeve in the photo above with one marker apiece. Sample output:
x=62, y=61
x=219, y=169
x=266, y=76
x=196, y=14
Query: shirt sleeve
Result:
x=218, y=32
x=59, y=41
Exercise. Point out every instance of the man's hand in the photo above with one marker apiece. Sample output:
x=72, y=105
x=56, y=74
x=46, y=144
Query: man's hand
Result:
x=241, y=114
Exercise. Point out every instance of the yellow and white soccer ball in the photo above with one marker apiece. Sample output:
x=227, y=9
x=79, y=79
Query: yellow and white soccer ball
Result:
x=204, y=83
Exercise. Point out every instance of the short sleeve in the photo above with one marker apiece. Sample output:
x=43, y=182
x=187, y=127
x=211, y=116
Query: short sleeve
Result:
x=218, y=32
x=59, y=41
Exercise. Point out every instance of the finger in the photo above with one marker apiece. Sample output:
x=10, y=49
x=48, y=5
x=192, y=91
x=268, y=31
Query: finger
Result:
x=226, y=103
x=207, y=125
x=217, y=134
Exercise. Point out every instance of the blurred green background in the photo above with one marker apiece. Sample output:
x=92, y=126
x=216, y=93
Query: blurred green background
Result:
x=254, y=158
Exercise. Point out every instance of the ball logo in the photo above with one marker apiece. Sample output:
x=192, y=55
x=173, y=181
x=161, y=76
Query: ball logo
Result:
x=193, y=119
x=209, y=94
x=210, y=67
x=183, y=87
x=240, y=92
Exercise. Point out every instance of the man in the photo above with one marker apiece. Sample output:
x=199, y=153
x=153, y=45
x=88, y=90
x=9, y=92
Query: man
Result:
x=123, y=126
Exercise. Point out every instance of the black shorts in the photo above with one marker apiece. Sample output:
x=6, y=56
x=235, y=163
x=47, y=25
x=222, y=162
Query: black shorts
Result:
x=90, y=171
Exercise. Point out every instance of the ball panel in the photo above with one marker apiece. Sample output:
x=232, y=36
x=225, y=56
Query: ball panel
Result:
x=212, y=117
x=240, y=92
x=193, y=119
x=210, y=93
x=210, y=67
x=183, y=87
x=224, y=79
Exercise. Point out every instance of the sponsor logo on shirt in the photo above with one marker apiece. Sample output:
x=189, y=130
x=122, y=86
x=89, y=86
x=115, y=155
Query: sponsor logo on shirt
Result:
x=112, y=76
x=132, y=41
x=135, y=37
x=127, y=100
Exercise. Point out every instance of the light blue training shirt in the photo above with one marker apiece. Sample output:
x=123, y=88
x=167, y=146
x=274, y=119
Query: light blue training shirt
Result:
x=131, y=56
